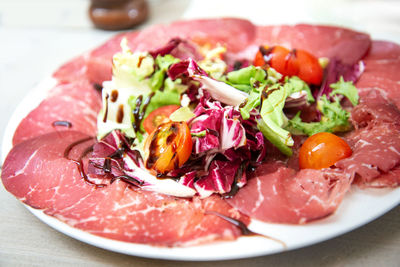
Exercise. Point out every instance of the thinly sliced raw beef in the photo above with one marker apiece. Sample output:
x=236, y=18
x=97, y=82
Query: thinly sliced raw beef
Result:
x=99, y=61
x=38, y=174
x=382, y=65
x=239, y=36
x=72, y=71
x=279, y=194
x=236, y=34
x=77, y=103
x=323, y=41
x=375, y=142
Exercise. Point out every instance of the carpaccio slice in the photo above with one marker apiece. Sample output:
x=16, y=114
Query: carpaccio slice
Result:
x=375, y=142
x=277, y=193
x=322, y=41
x=382, y=65
x=75, y=103
x=37, y=172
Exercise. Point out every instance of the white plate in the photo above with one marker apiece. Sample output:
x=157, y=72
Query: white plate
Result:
x=358, y=208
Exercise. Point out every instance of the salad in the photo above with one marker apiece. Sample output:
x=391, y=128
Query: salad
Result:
x=186, y=120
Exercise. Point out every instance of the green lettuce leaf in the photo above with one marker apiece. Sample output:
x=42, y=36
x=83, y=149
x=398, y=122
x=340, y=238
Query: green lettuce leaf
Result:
x=243, y=79
x=334, y=119
x=163, y=63
x=295, y=84
x=347, y=89
x=159, y=99
x=273, y=118
x=253, y=101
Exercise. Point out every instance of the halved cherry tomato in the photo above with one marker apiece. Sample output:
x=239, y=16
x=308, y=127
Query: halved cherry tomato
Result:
x=322, y=150
x=168, y=147
x=290, y=63
x=157, y=117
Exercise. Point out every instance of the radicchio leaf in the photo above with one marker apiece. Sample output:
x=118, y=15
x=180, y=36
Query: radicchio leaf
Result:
x=218, y=90
x=220, y=178
x=178, y=48
x=337, y=69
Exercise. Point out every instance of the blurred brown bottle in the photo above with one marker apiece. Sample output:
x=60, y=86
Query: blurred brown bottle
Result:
x=118, y=14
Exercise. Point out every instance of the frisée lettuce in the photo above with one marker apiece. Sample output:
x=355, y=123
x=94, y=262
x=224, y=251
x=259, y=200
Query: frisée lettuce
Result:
x=231, y=116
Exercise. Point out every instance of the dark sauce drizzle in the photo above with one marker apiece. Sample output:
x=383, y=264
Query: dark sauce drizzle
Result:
x=106, y=109
x=237, y=65
x=107, y=168
x=212, y=132
x=120, y=113
x=62, y=123
x=97, y=87
x=138, y=114
x=114, y=95
x=266, y=53
x=243, y=228
x=79, y=161
x=266, y=93
x=127, y=178
x=235, y=188
x=151, y=160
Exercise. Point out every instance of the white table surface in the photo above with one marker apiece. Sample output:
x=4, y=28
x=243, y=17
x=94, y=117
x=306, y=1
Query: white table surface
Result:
x=36, y=36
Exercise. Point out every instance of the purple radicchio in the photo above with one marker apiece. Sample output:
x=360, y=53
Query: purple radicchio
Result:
x=223, y=144
x=337, y=69
x=218, y=90
x=178, y=48
x=221, y=127
x=113, y=158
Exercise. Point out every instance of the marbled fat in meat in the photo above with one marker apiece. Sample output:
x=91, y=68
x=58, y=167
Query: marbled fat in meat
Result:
x=75, y=102
x=322, y=41
x=37, y=173
x=280, y=194
x=375, y=142
x=382, y=65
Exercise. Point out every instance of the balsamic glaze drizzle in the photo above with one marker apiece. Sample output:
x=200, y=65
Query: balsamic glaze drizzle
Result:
x=243, y=228
x=127, y=178
x=79, y=161
x=235, y=188
x=138, y=113
x=72, y=145
x=106, y=109
x=62, y=123
x=98, y=87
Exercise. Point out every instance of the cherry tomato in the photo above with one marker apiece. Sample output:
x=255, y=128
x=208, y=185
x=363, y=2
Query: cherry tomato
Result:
x=310, y=70
x=168, y=147
x=157, y=117
x=290, y=63
x=322, y=150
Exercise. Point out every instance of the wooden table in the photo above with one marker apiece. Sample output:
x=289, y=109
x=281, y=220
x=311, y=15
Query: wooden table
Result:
x=33, y=42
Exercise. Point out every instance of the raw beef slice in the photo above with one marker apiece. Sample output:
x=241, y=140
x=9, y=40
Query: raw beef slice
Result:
x=77, y=103
x=37, y=173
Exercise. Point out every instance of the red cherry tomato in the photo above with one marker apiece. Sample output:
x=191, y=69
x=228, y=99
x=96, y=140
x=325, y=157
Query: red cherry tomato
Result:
x=157, y=117
x=322, y=150
x=168, y=147
x=310, y=70
x=290, y=63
